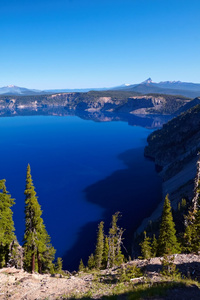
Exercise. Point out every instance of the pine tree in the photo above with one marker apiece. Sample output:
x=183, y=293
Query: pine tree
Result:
x=81, y=267
x=146, y=247
x=7, y=229
x=167, y=242
x=91, y=262
x=59, y=265
x=190, y=231
x=38, y=252
x=192, y=220
x=99, y=246
x=105, y=252
x=115, y=256
x=154, y=246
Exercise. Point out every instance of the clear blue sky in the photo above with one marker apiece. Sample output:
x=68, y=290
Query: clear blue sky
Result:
x=96, y=43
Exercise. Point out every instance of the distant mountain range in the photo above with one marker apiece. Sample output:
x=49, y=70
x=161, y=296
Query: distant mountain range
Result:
x=16, y=90
x=187, y=89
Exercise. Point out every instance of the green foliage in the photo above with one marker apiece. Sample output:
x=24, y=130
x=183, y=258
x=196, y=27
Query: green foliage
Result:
x=192, y=220
x=38, y=252
x=128, y=272
x=154, y=246
x=99, y=246
x=167, y=242
x=108, y=248
x=190, y=232
x=7, y=229
x=81, y=267
x=183, y=203
x=146, y=247
x=105, y=252
x=169, y=267
x=59, y=265
x=91, y=262
x=115, y=256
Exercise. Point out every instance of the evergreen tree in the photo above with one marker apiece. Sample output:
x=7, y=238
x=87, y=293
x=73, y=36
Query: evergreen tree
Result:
x=168, y=266
x=167, y=242
x=115, y=256
x=190, y=232
x=105, y=252
x=38, y=252
x=99, y=246
x=146, y=247
x=192, y=220
x=154, y=246
x=81, y=267
x=7, y=229
x=91, y=262
x=59, y=265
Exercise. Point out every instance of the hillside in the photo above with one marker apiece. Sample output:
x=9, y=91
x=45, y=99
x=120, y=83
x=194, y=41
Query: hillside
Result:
x=178, y=139
x=174, y=149
x=187, y=89
x=16, y=284
x=101, y=101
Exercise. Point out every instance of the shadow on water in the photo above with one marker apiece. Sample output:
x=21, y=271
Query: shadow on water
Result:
x=134, y=191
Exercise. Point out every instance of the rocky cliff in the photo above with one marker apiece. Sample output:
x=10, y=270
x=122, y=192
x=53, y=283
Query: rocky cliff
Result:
x=107, y=101
x=174, y=148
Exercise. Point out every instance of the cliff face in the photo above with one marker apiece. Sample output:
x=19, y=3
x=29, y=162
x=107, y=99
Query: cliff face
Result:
x=178, y=140
x=174, y=149
x=120, y=102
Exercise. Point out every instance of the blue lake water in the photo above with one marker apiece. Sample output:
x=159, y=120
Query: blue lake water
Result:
x=83, y=171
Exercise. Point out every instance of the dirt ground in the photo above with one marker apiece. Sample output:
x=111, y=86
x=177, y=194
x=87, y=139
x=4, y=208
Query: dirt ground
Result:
x=16, y=284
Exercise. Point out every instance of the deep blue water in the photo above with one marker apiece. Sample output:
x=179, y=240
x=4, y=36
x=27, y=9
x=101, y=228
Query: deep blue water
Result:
x=76, y=166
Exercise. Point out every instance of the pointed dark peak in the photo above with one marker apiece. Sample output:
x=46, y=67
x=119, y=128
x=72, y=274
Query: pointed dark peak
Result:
x=147, y=81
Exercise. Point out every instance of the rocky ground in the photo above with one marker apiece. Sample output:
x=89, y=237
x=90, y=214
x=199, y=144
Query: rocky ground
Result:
x=17, y=284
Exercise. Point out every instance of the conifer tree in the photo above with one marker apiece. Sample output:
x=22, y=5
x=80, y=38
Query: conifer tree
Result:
x=91, y=262
x=115, y=256
x=190, y=231
x=7, y=229
x=192, y=220
x=81, y=267
x=154, y=246
x=146, y=247
x=38, y=252
x=167, y=242
x=99, y=246
x=59, y=265
x=105, y=252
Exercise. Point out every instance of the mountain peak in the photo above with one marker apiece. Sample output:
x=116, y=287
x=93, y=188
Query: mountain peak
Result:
x=147, y=81
x=11, y=86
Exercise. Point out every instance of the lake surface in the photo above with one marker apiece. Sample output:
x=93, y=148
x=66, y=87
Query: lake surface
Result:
x=83, y=172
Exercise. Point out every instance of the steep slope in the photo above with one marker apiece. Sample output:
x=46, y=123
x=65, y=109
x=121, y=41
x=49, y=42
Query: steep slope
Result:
x=110, y=101
x=174, y=149
x=188, y=105
x=177, y=139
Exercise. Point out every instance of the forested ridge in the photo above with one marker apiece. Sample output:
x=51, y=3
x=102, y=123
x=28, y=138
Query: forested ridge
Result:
x=105, y=101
